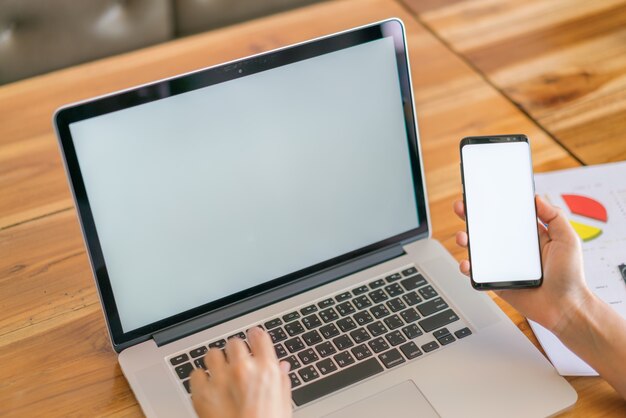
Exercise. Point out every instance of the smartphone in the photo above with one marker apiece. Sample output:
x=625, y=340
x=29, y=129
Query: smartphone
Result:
x=500, y=211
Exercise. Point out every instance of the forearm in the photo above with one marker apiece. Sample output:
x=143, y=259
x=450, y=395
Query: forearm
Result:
x=597, y=334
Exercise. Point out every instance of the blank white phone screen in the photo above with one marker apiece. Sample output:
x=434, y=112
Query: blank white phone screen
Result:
x=502, y=220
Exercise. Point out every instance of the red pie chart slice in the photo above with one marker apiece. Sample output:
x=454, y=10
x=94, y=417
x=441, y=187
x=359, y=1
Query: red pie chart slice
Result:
x=585, y=206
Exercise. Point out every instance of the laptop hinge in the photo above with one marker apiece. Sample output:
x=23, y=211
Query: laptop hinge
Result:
x=275, y=295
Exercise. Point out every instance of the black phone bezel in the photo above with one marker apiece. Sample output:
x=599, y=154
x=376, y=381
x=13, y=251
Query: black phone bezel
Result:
x=518, y=284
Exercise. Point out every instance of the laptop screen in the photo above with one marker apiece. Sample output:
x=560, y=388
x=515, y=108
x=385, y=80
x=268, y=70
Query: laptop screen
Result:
x=204, y=194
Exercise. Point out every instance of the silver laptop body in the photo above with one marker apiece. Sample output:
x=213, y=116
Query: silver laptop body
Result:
x=286, y=190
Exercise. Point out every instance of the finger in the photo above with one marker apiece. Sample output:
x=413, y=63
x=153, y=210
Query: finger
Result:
x=558, y=226
x=215, y=361
x=286, y=381
x=459, y=209
x=285, y=367
x=261, y=344
x=544, y=238
x=464, y=266
x=199, y=391
x=461, y=239
x=198, y=381
x=236, y=351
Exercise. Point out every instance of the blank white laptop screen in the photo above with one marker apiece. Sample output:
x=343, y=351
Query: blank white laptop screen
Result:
x=207, y=193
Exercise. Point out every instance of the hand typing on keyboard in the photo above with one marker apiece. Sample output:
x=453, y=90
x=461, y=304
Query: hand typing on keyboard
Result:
x=240, y=385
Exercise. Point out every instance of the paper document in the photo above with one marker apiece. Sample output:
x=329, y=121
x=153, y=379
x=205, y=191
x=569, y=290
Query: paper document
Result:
x=594, y=199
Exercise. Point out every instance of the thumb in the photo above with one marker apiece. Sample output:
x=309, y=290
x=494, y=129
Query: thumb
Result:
x=559, y=229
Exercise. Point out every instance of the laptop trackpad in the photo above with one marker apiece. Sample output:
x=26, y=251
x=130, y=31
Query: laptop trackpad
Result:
x=401, y=401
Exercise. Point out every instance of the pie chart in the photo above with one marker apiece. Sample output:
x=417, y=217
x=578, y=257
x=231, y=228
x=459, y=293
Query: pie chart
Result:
x=587, y=208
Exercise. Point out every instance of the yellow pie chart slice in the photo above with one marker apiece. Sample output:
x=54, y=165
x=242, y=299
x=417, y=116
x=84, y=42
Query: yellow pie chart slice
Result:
x=586, y=232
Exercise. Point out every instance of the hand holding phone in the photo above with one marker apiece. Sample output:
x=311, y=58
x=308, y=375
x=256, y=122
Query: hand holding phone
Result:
x=501, y=217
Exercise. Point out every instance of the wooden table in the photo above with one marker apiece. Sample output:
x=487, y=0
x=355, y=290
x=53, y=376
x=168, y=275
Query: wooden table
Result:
x=54, y=349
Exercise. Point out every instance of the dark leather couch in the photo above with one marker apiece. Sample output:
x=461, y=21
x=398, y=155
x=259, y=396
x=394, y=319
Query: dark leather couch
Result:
x=37, y=36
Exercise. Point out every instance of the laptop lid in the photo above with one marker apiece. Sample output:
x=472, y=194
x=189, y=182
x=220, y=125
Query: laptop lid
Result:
x=200, y=191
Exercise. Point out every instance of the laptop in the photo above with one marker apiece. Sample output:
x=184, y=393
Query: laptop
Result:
x=286, y=190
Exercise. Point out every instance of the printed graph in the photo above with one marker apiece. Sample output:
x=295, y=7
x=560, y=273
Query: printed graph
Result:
x=586, y=207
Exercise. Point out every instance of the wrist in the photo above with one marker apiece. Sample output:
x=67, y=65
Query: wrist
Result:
x=575, y=314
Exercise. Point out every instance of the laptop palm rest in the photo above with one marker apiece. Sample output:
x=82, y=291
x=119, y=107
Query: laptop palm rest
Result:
x=401, y=401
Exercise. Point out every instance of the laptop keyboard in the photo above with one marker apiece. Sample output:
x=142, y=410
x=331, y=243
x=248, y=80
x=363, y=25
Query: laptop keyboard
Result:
x=351, y=335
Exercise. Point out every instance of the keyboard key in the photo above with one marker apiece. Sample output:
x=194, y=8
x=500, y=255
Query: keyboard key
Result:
x=409, y=272
x=311, y=321
x=412, y=331
x=379, y=311
x=328, y=315
x=391, y=358
x=312, y=337
x=393, y=277
x=362, y=302
x=294, y=362
x=345, y=308
x=294, y=344
x=277, y=335
x=308, y=310
x=325, y=349
x=294, y=328
x=432, y=306
x=198, y=352
x=295, y=380
x=344, y=359
x=446, y=339
x=199, y=363
x=361, y=351
x=377, y=328
x=273, y=323
x=360, y=335
x=427, y=292
x=346, y=324
x=187, y=386
x=336, y=381
x=363, y=317
x=326, y=366
x=441, y=332
x=360, y=290
x=410, y=315
x=181, y=358
x=329, y=331
x=413, y=282
x=410, y=350
x=241, y=335
x=184, y=370
x=394, y=289
x=462, y=333
x=343, y=296
x=308, y=356
x=438, y=320
x=378, y=296
x=411, y=298
x=291, y=316
x=343, y=342
x=395, y=338
x=218, y=344
x=280, y=351
x=378, y=344
x=376, y=284
x=396, y=304
x=428, y=347
x=326, y=303
x=308, y=373
x=393, y=322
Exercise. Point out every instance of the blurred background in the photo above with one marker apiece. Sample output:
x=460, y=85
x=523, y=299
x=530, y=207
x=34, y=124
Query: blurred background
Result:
x=38, y=36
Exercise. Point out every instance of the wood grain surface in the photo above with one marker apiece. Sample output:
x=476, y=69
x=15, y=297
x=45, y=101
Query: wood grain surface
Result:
x=54, y=349
x=562, y=61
